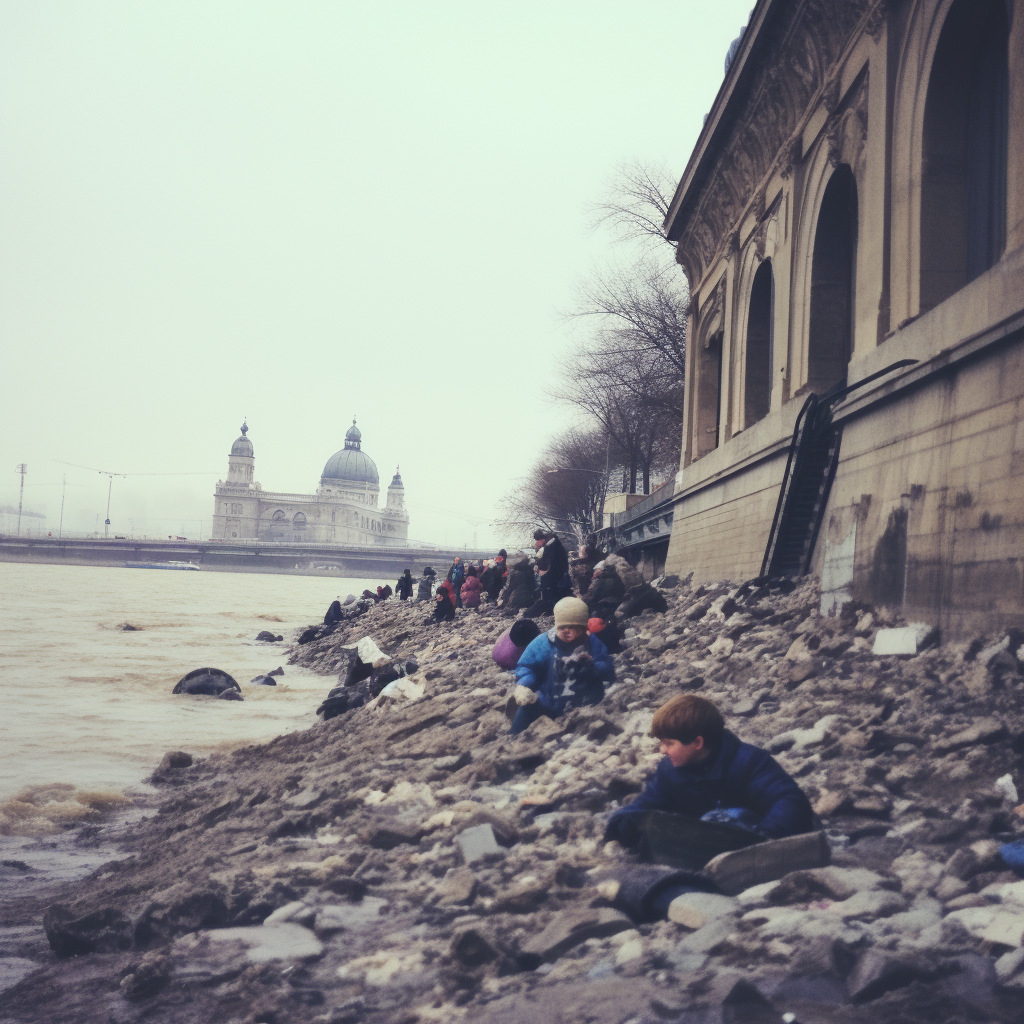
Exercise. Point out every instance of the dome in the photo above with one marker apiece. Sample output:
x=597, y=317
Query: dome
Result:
x=396, y=480
x=350, y=464
x=243, y=446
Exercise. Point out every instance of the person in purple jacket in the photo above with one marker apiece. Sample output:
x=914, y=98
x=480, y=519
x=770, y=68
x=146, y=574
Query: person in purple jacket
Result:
x=708, y=773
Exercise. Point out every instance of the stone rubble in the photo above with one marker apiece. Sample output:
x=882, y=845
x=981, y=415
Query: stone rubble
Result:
x=410, y=861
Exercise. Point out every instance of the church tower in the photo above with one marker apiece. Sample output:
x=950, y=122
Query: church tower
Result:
x=241, y=463
x=396, y=492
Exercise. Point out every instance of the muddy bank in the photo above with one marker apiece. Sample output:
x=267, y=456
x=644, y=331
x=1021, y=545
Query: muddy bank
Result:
x=410, y=861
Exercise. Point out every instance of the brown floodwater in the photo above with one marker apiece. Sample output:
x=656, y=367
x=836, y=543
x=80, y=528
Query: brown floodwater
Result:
x=86, y=709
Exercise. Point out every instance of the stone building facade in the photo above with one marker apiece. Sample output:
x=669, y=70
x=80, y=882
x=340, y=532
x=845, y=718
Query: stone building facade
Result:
x=853, y=217
x=344, y=510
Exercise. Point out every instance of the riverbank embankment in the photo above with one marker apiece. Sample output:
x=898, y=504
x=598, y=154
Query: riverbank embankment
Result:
x=410, y=861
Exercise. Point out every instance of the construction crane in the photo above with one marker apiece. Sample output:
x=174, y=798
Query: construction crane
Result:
x=110, y=485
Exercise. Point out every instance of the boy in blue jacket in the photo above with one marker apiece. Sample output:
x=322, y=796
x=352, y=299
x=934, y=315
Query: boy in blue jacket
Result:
x=561, y=669
x=708, y=773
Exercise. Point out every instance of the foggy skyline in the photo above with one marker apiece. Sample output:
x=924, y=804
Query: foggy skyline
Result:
x=300, y=214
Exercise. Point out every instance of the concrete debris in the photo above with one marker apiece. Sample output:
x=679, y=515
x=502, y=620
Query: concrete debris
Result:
x=904, y=639
x=409, y=860
x=477, y=842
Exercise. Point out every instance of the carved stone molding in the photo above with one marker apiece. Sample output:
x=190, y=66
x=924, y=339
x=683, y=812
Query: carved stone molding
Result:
x=761, y=240
x=802, y=48
x=848, y=130
x=876, y=19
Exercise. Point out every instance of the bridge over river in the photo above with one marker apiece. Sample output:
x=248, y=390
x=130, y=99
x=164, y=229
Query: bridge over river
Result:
x=385, y=563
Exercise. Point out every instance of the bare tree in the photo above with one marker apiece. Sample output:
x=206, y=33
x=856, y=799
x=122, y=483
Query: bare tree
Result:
x=565, y=490
x=636, y=202
x=627, y=371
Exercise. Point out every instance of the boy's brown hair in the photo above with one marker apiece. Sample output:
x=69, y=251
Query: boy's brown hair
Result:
x=686, y=717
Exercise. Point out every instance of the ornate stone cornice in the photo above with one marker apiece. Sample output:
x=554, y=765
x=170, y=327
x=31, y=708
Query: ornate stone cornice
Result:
x=798, y=68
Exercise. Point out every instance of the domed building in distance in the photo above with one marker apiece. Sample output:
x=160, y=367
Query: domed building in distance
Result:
x=346, y=508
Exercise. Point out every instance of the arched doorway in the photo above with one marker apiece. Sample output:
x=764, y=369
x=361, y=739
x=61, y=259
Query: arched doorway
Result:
x=833, y=276
x=963, y=172
x=757, y=378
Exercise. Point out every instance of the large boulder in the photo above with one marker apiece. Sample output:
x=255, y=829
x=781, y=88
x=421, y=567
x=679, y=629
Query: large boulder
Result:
x=208, y=682
x=267, y=637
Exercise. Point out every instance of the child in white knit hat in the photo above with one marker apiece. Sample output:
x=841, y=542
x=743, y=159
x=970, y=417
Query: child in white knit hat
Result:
x=563, y=668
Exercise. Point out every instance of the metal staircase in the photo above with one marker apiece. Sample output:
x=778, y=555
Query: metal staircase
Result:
x=810, y=470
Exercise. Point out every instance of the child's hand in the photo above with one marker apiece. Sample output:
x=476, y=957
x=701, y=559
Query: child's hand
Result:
x=523, y=695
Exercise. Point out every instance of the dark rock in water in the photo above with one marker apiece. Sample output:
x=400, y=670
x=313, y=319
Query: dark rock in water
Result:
x=267, y=637
x=209, y=682
x=263, y=681
x=175, y=759
x=229, y=694
x=103, y=931
x=316, y=632
x=171, y=766
x=276, y=671
x=127, y=627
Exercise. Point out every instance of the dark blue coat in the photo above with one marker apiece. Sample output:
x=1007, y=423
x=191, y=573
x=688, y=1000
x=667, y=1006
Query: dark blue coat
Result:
x=738, y=775
x=537, y=669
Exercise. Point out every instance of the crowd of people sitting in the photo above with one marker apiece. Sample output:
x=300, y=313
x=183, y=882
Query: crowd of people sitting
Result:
x=708, y=780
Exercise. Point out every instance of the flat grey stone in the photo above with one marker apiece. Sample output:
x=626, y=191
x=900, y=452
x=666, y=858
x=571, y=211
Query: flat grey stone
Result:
x=696, y=909
x=984, y=730
x=765, y=862
x=477, y=842
x=571, y=928
x=272, y=942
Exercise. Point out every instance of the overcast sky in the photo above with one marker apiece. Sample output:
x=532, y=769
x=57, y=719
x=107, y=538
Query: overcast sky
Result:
x=297, y=212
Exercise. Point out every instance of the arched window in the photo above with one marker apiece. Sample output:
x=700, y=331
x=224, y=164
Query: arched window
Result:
x=709, y=394
x=299, y=521
x=757, y=379
x=279, y=516
x=833, y=270
x=963, y=172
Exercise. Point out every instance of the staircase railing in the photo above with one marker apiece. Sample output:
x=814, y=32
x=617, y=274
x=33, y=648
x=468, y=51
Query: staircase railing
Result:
x=814, y=417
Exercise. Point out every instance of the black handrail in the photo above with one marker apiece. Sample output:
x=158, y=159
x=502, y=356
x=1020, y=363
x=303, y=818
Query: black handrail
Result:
x=821, y=411
x=795, y=453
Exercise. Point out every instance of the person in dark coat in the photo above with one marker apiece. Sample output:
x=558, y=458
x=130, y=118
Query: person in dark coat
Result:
x=491, y=580
x=581, y=568
x=606, y=591
x=403, y=588
x=553, y=566
x=708, y=773
x=425, y=590
x=444, y=610
x=386, y=592
x=333, y=613
x=456, y=577
x=520, y=585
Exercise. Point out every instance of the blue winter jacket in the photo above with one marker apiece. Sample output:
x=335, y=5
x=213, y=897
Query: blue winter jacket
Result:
x=739, y=775
x=539, y=668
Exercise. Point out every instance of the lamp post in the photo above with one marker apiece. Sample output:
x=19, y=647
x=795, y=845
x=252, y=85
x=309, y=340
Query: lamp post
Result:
x=22, y=469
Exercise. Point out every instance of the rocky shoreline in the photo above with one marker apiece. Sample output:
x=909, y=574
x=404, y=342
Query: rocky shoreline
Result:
x=409, y=861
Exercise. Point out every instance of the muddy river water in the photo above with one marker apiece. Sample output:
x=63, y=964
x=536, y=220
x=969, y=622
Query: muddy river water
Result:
x=86, y=708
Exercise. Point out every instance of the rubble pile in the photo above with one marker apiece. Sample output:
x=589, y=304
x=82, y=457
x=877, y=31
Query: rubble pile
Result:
x=410, y=861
